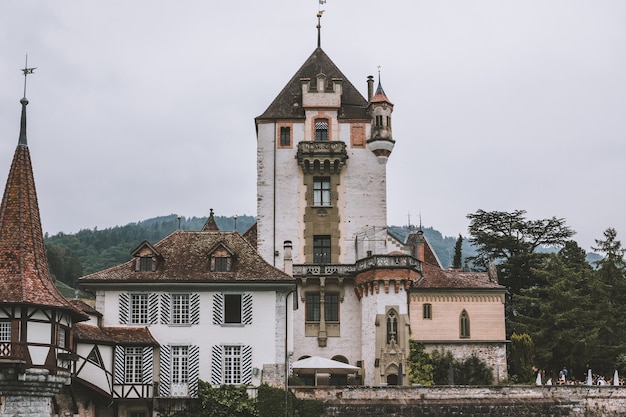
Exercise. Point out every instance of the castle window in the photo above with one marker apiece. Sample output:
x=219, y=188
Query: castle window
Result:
x=139, y=308
x=464, y=325
x=312, y=308
x=321, y=191
x=321, y=130
x=331, y=307
x=133, y=364
x=64, y=337
x=389, y=122
x=392, y=326
x=321, y=249
x=427, y=311
x=378, y=121
x=285, y=136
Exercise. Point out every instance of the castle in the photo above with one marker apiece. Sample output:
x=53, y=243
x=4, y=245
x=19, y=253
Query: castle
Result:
x=219, y=305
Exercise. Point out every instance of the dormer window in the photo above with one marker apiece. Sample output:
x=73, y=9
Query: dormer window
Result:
x=222, y=264
x=221, y=259
x=146, y=263
x=321, y=130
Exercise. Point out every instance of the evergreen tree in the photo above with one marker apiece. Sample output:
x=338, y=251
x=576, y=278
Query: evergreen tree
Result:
x=458, y=256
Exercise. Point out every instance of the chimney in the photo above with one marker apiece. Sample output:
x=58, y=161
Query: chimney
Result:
x=288, y=267
x=420, y=245
x=370, y=87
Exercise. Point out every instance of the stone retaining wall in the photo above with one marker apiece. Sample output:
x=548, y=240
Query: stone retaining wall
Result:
x=448, y=401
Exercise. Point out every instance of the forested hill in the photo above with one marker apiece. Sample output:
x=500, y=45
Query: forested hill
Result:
x=73, y=255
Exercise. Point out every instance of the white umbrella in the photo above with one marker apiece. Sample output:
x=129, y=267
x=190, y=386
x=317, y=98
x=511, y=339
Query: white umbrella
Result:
x=315, y=364
x=538, y=380
x=589, y=378
x=615, y=378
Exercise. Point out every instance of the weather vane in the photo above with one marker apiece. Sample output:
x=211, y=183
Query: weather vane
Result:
x=319, y=23
x=27, y=71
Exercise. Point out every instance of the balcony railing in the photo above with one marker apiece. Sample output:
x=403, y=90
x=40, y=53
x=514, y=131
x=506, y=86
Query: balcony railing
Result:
x=371, y=262
x=324, y=156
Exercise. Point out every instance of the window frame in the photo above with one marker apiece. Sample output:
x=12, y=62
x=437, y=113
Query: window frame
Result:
x=133, y=365
x=180, y=364
x=146, y=263
x=180, y=309
x=285, y=136
x=312, y=308
x=331, y=307
x=322, y=195
x=464, y=325
x=6, y=331
x=427, y=311
x=321, y=132
x=322, y=249
x=391, y=322
x=232, y=364
x=139, y=308
x=233, y=308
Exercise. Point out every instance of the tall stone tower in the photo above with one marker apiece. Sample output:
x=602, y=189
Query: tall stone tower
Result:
x=322, y=150
x=36, y=321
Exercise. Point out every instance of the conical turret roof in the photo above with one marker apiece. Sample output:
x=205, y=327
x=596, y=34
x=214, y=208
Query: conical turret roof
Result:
x=24, y=274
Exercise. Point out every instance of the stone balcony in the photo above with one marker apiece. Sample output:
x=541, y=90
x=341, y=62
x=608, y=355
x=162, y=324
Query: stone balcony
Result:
x=322, y=157
x=371, y=262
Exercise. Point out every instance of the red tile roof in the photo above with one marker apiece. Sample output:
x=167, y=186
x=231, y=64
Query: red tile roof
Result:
x=114, y=335
x=185, y=257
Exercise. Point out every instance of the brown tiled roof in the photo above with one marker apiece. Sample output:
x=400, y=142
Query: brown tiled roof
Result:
x=251, y=235
x=84, y=307
x=353, y=105
x=114, y=335
x=185, y=257
x=131, y=335
x=89, y=333
x=437, y=278
x=24, y=274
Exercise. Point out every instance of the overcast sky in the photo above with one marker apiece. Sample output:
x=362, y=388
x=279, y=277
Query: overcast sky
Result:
x=146, y=107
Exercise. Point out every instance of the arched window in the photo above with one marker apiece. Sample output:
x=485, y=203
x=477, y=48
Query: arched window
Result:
x=392, y=326
x=464, y=324
x=321, y=130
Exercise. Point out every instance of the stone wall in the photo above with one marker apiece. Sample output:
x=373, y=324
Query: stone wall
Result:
x=518, y=401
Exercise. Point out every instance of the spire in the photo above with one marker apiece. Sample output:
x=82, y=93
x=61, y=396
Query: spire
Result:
x=210, y=225
x=319, y=26
x=380, y=96
x=24, y=274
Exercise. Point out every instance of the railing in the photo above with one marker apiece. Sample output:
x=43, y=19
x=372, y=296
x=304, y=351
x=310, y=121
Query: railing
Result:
x=17, y=352
x=371, y=262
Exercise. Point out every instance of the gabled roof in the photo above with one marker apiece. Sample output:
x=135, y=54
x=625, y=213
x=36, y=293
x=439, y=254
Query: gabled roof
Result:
x=185, y=259
x=436, y=278
x=353, y=105
x=24, y=274
x=114, y=335
x=145, y=244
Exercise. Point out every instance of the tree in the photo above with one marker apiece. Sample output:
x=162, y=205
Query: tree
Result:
x=521, y=358
x=511, y=241
x=420, y=364
x=458, y=256
x=225, y=401
x=609, y=292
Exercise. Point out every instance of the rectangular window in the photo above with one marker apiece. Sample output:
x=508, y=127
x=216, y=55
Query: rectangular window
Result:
x=221, y=264
x=321, y=191
x=285, y=136
x=232, y=308
x=145, y=264
x=312, y=307
x=321, y=249
x=5, y=331
x=132, y=365
x=331, y=307
x=232, y=364
x=180, y=364
x=63, y=337
x=180, y=309
x=428, y=311
x=139, y=309
x=321, y=130
x=378, y=121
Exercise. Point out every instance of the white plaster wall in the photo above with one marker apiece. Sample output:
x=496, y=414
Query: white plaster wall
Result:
x=283, y=220
x=261, y=334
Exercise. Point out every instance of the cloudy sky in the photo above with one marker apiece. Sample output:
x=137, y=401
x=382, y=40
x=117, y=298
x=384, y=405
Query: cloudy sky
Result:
x=146, y=107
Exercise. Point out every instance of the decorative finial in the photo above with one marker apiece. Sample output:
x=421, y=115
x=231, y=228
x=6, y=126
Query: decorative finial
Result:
x=319, y=24
x=27, y=71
